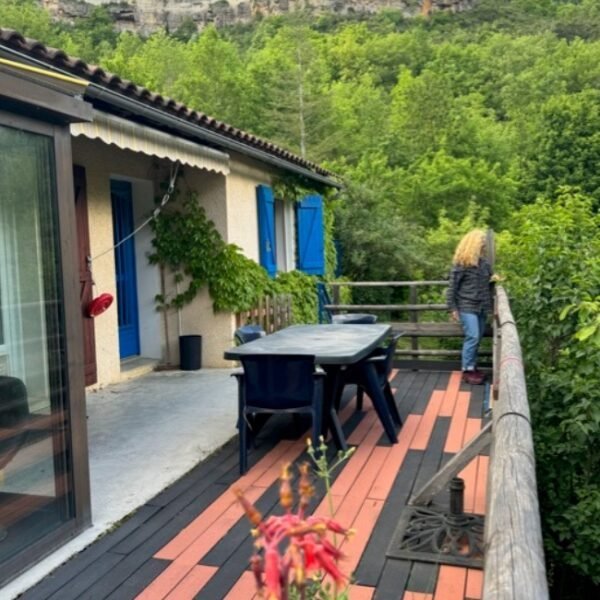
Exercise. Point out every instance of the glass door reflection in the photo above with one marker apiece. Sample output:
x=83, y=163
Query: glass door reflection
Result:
x=35, y=477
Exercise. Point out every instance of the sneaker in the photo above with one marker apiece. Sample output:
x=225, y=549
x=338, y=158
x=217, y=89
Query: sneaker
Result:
x=473, y=377
x=480, y=374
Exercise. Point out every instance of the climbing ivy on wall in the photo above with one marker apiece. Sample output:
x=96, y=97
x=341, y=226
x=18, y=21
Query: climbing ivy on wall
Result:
x=187, y=242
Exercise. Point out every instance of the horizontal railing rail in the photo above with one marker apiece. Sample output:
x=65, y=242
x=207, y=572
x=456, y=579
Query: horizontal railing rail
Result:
x=514, y=556
x=414, y=327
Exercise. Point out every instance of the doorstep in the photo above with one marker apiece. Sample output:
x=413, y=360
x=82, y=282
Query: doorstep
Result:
x=136, y=366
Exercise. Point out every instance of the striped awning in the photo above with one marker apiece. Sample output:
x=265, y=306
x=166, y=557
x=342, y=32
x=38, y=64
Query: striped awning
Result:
x=128, y=135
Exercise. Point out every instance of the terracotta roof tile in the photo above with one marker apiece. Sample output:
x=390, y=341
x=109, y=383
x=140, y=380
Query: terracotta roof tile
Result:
x=57, y=58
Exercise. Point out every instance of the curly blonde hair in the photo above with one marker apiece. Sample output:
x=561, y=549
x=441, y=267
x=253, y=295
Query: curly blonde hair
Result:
x=470, y=249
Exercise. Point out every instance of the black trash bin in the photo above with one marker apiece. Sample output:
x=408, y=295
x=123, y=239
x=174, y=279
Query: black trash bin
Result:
x=190, y=352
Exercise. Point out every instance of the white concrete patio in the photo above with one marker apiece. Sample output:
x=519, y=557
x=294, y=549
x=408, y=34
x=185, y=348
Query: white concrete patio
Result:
x=144, y=434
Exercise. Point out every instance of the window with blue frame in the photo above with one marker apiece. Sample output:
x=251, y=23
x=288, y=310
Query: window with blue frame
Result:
x=290, y=238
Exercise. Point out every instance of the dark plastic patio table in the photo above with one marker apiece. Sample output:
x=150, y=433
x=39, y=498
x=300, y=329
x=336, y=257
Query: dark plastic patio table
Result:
x=334, y=347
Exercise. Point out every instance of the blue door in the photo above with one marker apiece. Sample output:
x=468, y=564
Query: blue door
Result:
x=127, y=303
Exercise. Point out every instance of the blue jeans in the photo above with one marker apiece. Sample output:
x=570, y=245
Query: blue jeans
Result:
x=473, y=327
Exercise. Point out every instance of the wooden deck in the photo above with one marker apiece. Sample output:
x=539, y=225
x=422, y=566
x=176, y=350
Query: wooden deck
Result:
x=192, y=540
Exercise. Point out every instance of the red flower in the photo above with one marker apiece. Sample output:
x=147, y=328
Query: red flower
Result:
x=308, y=551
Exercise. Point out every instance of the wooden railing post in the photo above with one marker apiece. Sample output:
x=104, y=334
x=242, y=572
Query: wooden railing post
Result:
x=414, y=317
x=514, y=557
x=336, y=295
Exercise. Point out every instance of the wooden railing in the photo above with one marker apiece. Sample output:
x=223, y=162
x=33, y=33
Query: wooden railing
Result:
x=414, y=328
x=514, y=557
x=272, y=313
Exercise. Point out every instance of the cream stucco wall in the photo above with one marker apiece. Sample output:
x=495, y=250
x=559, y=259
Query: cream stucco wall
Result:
x=229, y=201
x=242, y=225
x=101, y=163
x=198, y=317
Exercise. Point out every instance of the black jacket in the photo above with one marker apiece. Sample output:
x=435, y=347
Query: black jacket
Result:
x=470, y=288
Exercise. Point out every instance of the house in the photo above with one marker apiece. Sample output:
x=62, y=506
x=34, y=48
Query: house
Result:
x=120, y=160
x=84, y=155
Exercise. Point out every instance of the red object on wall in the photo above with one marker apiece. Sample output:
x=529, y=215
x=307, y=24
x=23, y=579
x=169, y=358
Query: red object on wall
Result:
x=99, y=305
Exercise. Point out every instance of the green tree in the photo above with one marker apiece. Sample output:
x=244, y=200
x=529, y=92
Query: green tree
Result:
x=420, y=112
x=568, y=145
x=91, y=38
x=26, y=17
x=288, y=76
x=444, y=183
x=212, y=79
x=154, y=63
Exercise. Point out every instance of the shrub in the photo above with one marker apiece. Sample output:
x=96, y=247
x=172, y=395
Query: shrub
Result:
x=553, y=275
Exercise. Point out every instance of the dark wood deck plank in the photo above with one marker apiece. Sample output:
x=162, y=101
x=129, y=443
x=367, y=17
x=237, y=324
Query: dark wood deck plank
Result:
x=423, y=577
x=476, y=401
x=228, y=454
x=414, y=392
x=64, y=574
x=170, y=519
x=433, y=455
x=373, y=559
x=393, y=580
x=98, y=571
x=132, y=586
x=422, y=400
x=443, y=380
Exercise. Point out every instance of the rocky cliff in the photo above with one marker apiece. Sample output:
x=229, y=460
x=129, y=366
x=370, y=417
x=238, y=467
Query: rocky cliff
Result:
x=147, y=15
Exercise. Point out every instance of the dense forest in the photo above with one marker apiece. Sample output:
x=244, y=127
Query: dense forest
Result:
x=490, y=117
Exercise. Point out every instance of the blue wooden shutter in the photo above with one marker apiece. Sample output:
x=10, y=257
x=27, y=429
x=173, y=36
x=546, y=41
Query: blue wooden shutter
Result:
x=311, y=245
x=266, y=229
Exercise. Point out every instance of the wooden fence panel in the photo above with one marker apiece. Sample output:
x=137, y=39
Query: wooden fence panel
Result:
x=272, y=313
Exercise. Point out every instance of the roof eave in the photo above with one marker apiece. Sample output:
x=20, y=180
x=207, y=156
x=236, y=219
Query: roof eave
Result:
x=199, y=131
x=164, y=119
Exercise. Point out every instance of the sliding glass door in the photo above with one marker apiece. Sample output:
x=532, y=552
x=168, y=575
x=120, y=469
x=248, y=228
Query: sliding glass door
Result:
x=36, y=478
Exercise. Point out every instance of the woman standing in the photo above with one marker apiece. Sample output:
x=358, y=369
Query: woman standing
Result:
x=470, y=298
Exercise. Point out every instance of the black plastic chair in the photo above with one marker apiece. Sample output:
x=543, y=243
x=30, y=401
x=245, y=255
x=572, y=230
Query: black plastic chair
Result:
x=248, y=333
x=383, y=359
x=277, y=384
x=326, y=316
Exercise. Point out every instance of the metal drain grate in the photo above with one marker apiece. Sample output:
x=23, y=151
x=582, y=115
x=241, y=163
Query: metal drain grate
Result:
x=429, y=535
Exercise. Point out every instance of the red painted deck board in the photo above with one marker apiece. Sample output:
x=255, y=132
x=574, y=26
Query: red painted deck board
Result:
x=217, y=530
x=469, y=473
x=450, y=394
x=192, y=583
x=451, y=583
x=245, y=587
x=474, y=586
x=423, y=433
x=360, y=592
x=416, y=596
x=363, y=428
x=357, y=461
x=472, y=428
x=458, y=422
x=363, y=524
x=384, y=482
x=351, y=504
x=165, y=582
